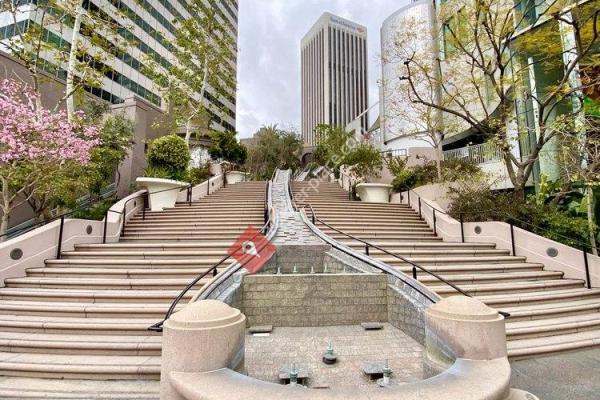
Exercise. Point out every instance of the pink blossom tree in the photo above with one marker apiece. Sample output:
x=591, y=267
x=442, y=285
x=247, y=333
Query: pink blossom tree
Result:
x=35, y=143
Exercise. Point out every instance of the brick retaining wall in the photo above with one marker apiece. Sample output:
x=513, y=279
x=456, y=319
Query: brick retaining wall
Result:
x=314, y=299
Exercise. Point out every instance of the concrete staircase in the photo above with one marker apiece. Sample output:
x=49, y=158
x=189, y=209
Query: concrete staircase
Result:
x=85, y=316
x=549, y=313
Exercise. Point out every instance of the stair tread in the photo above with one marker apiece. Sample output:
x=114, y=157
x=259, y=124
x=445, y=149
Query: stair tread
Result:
x=514, y=326
x=592, y=336
x=65, y=389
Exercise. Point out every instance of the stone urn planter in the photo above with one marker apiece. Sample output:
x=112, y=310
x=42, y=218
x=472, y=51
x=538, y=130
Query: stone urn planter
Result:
x=236, y=176
x=162, y=192
x=374, y=192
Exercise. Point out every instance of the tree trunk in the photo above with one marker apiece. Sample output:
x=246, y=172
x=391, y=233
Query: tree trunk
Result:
x=188, y=130
x=439, y=156
x=72, y=62
x=591, y=218
x=3, y=227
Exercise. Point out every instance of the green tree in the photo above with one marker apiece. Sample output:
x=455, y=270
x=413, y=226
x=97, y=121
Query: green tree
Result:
x=365, y=162
x=333, y=146
x=487, y=61
x=38, y=44
x=274, y=148
x=168, y=157
x=226, y=147
x=205, y=54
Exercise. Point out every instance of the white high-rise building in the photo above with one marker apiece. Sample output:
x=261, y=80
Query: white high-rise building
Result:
x=334, y=75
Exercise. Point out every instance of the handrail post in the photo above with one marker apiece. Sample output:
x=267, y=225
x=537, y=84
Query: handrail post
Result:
x=215, y=271
x=420, y=214
x=414, y=272
x=105, y=226
x=189, y=195
x=60, y=237
x=512, y=239
x=408, y=195
x=366, y=249
x=587, y=268
x=145, y=200
x=208, y=187
x=462, y=228
x=434, y=222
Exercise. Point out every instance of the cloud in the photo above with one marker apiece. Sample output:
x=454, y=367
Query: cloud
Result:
x=269, y=59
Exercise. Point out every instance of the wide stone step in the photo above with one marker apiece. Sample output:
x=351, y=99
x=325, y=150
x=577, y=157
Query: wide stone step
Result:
x=373, y=229
x=193, y=246
x=104, y=283
x=553, y=310
x=101, y=310
x=386, y=236
x=524, y=348
x=367, y=233
x=72, y=389
x=80, y=366
x=129, y=263
x=552, y=326
x=392, y=245
x=553, y=296
x=436, y=252
x=153, y=238
x=46, y=343
x=457, y=260
x=124, y=325
x=340, y=218
x=197, y=222
x=510, y=287
x=482, y=269
x=194, y=229
x=485, y=278
x=92, y=296
x=121, y=273
x=147, y=255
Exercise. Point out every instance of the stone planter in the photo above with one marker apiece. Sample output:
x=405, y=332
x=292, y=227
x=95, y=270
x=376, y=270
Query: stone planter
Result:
x=236, y=176
x=162, y=192
x=374, y=192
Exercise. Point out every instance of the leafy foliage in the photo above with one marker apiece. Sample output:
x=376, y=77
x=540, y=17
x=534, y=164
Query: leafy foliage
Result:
x=274, y=148
x=418, y=175
x=473, y=198
x=226, y=147
x=199, y=174
x=168, y=157
x=334, y=144
x=365, y=162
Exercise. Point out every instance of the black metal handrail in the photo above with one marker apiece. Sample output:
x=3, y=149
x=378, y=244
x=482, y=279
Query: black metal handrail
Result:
x=158, y=327
x=414, y=265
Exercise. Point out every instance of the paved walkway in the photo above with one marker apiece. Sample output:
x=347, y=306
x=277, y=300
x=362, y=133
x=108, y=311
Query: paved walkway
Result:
x=266, y=356
x=567, y=376
x=292, y=230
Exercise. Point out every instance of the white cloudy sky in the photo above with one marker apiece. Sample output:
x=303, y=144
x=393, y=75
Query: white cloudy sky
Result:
x=269, y=59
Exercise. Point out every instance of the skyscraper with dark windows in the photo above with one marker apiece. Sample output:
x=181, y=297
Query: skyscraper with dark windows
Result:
x=334, y=75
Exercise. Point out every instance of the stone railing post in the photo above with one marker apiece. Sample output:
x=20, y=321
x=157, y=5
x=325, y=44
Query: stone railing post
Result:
x=462, y=327
x=203, y=336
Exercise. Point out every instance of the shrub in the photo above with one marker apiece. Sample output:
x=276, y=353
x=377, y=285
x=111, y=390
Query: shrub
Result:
x=96, y=211
x=474, y=199
x=168, y=157
x=365, y=161
x=199, y=174
x=226, y=147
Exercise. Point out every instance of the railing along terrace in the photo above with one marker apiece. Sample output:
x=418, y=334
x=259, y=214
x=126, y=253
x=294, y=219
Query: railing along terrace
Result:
x=395, y=153
x=478, y=154
x=415, y=267
x=501, y=217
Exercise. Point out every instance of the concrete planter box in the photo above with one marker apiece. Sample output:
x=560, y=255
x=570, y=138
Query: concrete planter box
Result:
x=162, y=192
x=236, y=176
x=374, y=192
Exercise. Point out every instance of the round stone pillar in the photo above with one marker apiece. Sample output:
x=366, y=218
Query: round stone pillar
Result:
x=462, y=327
x=203, y=336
